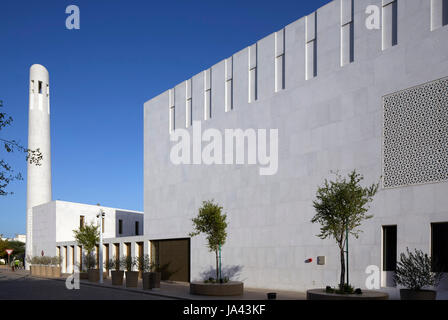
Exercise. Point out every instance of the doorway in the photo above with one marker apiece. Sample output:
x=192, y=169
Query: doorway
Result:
x=172, y=258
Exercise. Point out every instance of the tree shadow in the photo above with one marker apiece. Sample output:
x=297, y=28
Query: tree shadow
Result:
x=230, y=272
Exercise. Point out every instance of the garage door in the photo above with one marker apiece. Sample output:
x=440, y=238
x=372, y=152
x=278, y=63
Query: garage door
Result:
x=172, y=258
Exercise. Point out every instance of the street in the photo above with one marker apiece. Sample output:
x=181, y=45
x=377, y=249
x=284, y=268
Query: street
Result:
x=19, y=285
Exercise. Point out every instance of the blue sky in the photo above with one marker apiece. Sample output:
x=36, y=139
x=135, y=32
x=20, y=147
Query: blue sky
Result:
x=125, y=53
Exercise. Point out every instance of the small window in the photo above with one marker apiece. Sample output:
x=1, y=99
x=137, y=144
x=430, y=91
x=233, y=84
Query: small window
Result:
x=389, y=248
x=439, y=247
x=40, y=87
x=120, y=226
x=102, y=224
x=136, y=228
x=81, y=221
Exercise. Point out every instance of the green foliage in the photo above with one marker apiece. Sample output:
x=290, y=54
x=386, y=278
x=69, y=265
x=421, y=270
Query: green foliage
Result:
x=341, y=206
x=114, y=264
x=87, y=236
x=7, y=173
x=345, y=289
x=44, y=260
x=18, y=247
x=414, y=271
x=144, y=263
x=129, y=262
x=89, y=261
x=212, y=280
x=4, y=244
x=212, y=222
x=55, y=261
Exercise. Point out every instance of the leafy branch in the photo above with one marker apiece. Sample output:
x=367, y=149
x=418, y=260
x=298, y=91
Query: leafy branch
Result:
x=7, y=174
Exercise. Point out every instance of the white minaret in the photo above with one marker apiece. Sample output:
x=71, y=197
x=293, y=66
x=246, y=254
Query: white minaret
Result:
x=38, y=177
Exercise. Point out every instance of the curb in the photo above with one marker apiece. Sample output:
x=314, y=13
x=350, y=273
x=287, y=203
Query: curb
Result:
x=116, y=288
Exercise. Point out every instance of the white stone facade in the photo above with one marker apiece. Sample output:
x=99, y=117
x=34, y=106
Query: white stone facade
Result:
x=327, y=104
x=55, y=221
x=322, y=82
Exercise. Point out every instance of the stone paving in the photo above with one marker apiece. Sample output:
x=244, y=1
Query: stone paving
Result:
x=20, y=285
x=168, y=290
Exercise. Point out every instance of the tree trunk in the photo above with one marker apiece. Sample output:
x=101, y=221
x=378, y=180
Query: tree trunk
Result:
x=342, y=280
x=217, y=265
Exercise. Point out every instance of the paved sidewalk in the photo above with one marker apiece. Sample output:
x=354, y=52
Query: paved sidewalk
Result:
x=21, y=286
x=179, y=290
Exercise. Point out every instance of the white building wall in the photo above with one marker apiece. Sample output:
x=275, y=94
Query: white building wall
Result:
x=44, y=230
x=55, y=221
x=333, y=121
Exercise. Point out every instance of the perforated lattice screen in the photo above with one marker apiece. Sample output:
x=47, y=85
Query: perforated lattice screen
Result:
x=415, y=145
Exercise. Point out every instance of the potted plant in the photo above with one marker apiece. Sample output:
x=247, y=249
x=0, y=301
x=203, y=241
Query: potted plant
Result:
x=149, y=278
x=83, y=275
x=341, y=206
x=155, y=275
x=39, y=266
x=131, y=276
x=87, y=236
x=415, y=272
x=56, y=267
x=211, y=220
x=117, y=274
x=92, y=272
x=46, y=262
x=143, y=265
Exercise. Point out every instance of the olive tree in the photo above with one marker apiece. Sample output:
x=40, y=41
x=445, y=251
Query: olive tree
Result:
x=415, y=271
x=87, y=236
x=212, y=222
x=341, y=207
x=7, y=173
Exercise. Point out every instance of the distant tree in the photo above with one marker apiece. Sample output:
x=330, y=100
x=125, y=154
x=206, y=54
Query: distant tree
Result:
x=87, y=236
x=212, y=222
x=7, y=173
x=17, y=247
x=3, y=246
x=341, y=207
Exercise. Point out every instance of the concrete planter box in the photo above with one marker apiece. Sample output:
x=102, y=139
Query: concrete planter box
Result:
x=232, y=288
x=117, y=278
x=93, y=275
x=321, y=294
x=131, y=279
x=38, y=270
x=151, y=280
x=407, y=294
x=55, y=272
x=48, y=272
